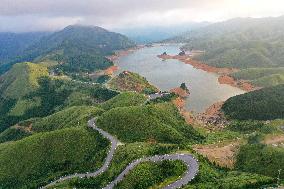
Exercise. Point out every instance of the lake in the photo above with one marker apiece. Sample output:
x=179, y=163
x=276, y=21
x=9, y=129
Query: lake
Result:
x=204, y=87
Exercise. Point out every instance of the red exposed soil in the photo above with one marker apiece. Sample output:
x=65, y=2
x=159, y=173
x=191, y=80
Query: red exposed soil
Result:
x=244, y=85
x=180, y=92
x=110, y=70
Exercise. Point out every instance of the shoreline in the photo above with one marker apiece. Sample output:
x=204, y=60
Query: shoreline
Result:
x=110, y=71
x=223, y=73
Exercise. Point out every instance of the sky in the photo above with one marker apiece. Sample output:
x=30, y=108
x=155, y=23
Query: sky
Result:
x=51, y=15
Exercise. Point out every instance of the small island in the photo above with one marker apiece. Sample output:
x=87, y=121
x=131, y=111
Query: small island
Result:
x=181, y=91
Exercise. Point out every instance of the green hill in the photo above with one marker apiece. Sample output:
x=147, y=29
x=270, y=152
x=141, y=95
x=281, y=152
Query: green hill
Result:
x=124, y=100
x=239, y=43
x=21, y=80
x=261, y=159
x=76, y=48
x=128, y=81
x=13, y=134
x=41, y=157
x=76, y=116
x=160, y=123
x=263, y=104
x=42, y=96
x=263, y=77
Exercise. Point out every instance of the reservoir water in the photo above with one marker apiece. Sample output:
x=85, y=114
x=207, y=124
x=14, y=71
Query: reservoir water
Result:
x=204, y=87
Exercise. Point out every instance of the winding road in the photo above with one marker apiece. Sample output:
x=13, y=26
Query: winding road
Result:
x=189, y=160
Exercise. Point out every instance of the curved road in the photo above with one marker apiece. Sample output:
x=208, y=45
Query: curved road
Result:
x=189, y=160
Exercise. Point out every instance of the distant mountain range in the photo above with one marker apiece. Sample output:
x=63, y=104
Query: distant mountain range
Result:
x=240, y=42
x=152, y=34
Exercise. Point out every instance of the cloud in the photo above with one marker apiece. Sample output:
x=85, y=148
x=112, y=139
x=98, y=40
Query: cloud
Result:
x=21, y=15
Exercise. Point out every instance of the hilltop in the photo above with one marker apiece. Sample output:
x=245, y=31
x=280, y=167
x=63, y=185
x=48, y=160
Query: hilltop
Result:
x=74, y=46
x=128, y=81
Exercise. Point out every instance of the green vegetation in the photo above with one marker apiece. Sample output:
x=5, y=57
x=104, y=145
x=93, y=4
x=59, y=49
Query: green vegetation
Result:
x=13, y=44
x=263, y=104
x=184, y=87
x=13, y=133
x=128, y=81
x=151, y=174
x=21, y=80
x=124, y=155
x=158, y=123
x=36, y=159
x=103, y=79
x=261, y=159
x=76, y=116
x=124, y=100
x=247, y=127
x=234, y=180
x=75, y=48
x=50, y=96
x=239, y=43
x=263, y=77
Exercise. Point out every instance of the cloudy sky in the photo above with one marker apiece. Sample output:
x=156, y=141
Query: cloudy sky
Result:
x=43, y=15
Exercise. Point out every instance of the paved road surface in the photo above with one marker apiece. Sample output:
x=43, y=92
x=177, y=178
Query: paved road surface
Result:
x=189, y=160
x=114, y=142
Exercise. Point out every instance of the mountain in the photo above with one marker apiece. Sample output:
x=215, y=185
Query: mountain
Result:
x=13, y=44
x=153, y=34
x=239, y=43
x=74, y=46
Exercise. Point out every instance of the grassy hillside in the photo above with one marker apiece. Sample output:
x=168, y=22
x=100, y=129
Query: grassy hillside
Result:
x=160, y=123
x=264, y=104
x=263, y=77
x=209, y=176
x=124, y=100
x=123, y=156
x=13, y=134
x=29, y=162
x=128, y=81
x=76, y=116
x=148, y=175
x=21, y=80
x=50, y=95
x=253, y=157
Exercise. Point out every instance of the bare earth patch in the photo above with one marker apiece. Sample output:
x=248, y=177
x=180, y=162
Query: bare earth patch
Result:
x=223, y=155
x=274, y=139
